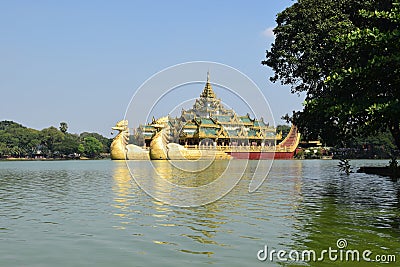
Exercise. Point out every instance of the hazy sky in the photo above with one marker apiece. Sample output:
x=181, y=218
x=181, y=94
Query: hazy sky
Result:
x=81, y=61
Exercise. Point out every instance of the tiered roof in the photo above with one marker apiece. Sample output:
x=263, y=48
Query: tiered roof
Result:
x=206, y=105
x=208, y=118
x=213, y=120
x=208, y=91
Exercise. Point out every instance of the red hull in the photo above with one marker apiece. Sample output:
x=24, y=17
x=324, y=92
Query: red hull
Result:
x=262, y=155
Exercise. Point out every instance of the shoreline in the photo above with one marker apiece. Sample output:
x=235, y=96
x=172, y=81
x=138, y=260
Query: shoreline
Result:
x=48, y=159
x=84, y=158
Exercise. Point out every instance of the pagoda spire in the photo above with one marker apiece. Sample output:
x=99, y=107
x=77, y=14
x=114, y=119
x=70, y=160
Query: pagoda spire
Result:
x=208, y=91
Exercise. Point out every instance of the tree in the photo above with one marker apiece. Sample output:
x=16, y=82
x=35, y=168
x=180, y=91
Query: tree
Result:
x=373, y=72
x=91, y=147
x=137, y=137
x=106, y=142
x=68, y=145
x=51, y=138
x=307, y=54
x=63, y=127
x=4, y=150
x=285, y=129
x=19, y=141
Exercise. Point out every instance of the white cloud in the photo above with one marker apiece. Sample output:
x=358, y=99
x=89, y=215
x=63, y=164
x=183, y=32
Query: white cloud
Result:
x=268, y=32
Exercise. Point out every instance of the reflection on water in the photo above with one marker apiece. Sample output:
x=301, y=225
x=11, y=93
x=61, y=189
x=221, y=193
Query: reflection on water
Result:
x=180, y=175
x=166, y=183
x=363, y=209
x=224, y=227
x=123, y=189
x=200, y=224
x=82, y=213
x=302, y=205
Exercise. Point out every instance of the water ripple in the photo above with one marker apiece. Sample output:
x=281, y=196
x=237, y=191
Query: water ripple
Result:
x=94, y=213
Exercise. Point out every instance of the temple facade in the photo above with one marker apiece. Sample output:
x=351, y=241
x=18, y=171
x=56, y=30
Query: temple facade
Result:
x=209, y=123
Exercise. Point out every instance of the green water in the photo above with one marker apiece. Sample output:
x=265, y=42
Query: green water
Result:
x=91, y=213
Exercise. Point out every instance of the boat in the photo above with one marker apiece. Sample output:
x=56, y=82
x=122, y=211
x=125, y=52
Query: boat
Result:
x=208, y=127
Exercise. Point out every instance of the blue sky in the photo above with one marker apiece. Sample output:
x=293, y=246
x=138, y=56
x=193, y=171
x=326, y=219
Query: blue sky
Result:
x=81, y=61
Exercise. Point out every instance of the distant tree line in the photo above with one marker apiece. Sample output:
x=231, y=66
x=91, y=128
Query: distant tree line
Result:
x=21, y=142
x=380, y=145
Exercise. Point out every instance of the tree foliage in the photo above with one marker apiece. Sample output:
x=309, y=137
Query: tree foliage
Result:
x=50, y=138
x=137, y=137
x=106, y=142
x=63, y=127
x=373, y=70
x=19, y=141
x=345, y=55
x=91, y=147
x=285, y=129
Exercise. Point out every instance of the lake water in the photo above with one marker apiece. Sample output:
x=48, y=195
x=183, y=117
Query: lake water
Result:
x=91, y=213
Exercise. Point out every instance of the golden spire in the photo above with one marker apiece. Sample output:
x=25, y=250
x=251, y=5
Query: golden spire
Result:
x=208, y=91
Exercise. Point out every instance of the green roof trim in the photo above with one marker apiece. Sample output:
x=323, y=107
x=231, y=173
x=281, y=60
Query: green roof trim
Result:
x=245, y=119
x=223, y=118
x=207, y=121
x=252, y=132
x=190, y=125
x=208, y=131
x=149, y=127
